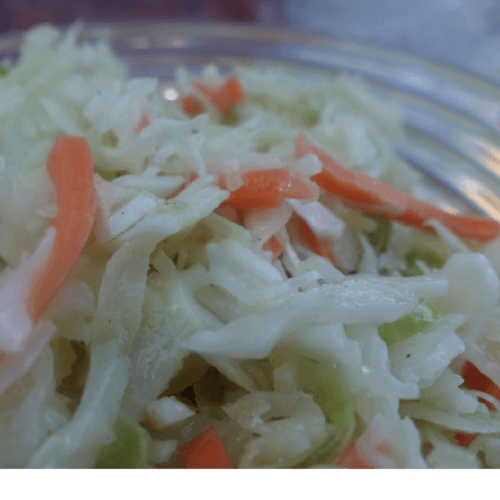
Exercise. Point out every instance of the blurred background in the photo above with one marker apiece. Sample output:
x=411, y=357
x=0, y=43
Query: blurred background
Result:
x=461, y=32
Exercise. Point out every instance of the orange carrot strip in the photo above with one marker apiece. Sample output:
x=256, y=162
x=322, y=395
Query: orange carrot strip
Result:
x=477, y=381
x=192, y=106
x=206, y=451
x=142, y=124
x=266, y=188
x=71, y=168
x=148, y=425
x=362, y=192
x=269, y=188
x=319, y=246
x=273, y=244
x=224, y=97
x=464, y=439
x=351, y=460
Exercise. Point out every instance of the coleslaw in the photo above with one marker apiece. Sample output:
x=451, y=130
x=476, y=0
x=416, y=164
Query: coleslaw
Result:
x=239, y=272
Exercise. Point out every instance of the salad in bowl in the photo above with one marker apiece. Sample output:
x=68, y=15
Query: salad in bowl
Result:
x=235, y=271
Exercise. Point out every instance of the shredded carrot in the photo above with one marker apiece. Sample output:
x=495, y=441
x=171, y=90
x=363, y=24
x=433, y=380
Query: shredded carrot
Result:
x=192, y=106
x=230, y=214
x=477, y=381
x=350, y=458
x=362, y=192
x=224, y=97
x=148, y=425
x=269, y=188
x=71, y=168
x=319, y=246
x=143, y=122
x=464, y=439
x=206, y=451
x=274, y=244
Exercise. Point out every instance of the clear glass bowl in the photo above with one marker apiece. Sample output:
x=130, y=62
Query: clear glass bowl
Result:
x=452, y=117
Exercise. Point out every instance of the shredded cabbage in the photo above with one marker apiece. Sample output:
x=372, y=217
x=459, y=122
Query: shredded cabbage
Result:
x=308, y=334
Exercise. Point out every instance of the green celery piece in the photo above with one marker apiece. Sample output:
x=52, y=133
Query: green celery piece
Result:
x=110, y=139
x=108, y=176
x=334, y=398
x=310, y=117
x=324, y=453
x=230, y=117
x=417, y=321
x=380, y=237
x=3, y=71
x=129, y=450
x=431, y=258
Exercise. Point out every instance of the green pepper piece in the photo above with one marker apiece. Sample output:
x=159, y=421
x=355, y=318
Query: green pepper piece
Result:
x=379, y=239
x=129, y=450
x=417, y=321
x=431, y=258
x=336, y=401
